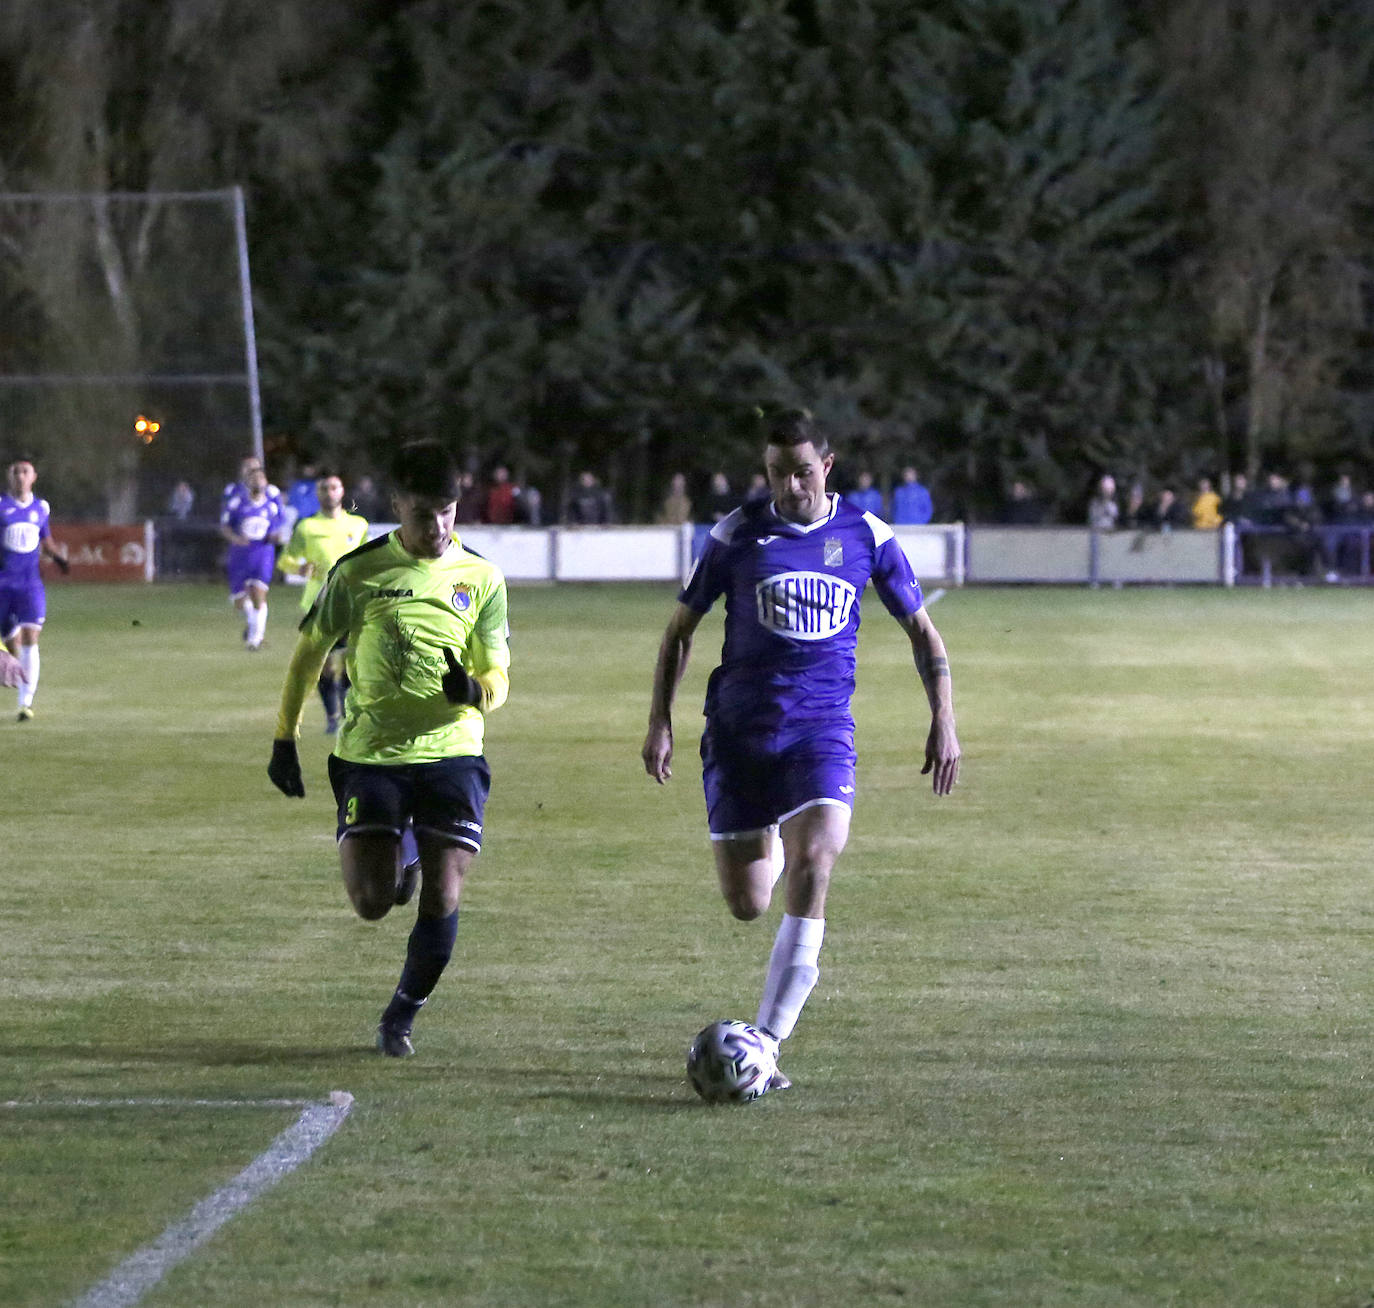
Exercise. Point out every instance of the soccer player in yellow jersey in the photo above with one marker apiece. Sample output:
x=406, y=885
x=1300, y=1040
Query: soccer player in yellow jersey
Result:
x=317, y=543
x=424, y=620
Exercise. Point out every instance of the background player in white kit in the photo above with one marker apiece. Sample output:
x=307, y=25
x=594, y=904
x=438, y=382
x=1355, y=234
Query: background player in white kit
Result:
x=778, y=749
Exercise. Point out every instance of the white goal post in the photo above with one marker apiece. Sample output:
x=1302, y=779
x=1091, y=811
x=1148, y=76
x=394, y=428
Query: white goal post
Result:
x=120, y=301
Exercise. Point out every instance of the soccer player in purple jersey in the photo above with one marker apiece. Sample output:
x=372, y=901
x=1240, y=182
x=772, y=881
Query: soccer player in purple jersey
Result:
x=24, y=539
x=252, y=523
x=240, y=487
x=778, y=749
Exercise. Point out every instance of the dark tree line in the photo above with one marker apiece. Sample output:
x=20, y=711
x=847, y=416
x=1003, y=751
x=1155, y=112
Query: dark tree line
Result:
x=998, y=238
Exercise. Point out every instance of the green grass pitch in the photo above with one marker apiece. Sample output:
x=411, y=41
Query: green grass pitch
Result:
x=1095, y=1030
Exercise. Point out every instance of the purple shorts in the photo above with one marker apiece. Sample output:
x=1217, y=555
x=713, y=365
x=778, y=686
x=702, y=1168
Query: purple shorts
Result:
x=247, y=563
x=749, y=788
x=25, y=605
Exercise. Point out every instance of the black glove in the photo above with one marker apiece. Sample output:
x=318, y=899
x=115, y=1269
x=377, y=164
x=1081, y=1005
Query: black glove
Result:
x=62, y=563
x=285, y=769
x=459, y=688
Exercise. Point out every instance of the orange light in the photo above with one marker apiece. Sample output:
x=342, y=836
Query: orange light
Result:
x=146, y=428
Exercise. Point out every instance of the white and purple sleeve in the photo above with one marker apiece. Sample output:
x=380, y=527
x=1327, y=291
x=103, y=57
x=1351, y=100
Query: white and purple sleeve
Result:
x=893, y=578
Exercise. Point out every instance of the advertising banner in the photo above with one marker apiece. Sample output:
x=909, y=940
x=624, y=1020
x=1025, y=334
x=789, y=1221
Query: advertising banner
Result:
x=102, y=553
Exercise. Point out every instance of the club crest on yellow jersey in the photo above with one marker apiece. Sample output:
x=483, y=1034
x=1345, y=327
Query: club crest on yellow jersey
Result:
x=462, y=597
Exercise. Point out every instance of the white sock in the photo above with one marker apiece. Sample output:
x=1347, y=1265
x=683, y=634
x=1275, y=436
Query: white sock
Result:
x=257, y=623
x=28, y=660
x=792, y=974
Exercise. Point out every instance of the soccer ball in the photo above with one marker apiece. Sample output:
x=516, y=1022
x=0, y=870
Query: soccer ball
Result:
x=730, y=1063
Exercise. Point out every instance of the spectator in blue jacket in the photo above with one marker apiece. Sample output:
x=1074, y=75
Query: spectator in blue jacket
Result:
x=911, y=502
x=867, y=496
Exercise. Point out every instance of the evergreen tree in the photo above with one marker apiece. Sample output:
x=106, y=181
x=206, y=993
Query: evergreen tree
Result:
x=1002, y=219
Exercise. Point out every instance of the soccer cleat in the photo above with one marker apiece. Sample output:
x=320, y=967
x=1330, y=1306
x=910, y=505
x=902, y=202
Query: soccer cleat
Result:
x=25, y=714
x=393, y=1039
x=406, y=881
x=779, y=1080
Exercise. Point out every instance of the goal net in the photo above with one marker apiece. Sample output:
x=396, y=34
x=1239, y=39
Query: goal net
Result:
x=121, y=306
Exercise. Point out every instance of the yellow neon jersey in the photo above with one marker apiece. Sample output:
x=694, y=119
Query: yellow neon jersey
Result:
x=398, y=614
x=321, y=541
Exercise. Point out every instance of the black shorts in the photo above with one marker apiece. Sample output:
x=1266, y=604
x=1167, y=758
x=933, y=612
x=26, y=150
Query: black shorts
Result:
x=444, y=799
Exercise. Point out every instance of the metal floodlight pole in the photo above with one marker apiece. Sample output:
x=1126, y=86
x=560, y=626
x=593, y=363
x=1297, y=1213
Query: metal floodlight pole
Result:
x=250, y=339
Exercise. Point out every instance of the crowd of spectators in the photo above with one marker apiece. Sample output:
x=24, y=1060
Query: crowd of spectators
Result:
x=1286, y=525
x=1289, y=526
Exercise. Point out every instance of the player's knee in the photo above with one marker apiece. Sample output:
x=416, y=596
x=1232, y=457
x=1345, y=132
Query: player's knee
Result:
x=440, y=901
x=747, y=904
x=369, y=906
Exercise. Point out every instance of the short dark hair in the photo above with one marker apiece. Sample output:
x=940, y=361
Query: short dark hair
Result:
x=426, y=468
x=794, y=427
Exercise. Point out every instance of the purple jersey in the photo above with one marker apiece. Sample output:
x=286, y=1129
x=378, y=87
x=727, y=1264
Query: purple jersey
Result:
x=792, y=613
x=256, y=521
x=237, y=490
x=22, y=528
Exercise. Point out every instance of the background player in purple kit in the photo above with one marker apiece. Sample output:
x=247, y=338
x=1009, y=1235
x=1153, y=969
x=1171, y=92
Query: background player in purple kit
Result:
x=252, y=523
x=240, y=487
x=24, y=537
x=778, y=749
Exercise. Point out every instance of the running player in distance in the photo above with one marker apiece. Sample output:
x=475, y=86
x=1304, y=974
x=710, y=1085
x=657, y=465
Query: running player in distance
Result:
x=318, y=541
x=25, y=538
x=253, y=523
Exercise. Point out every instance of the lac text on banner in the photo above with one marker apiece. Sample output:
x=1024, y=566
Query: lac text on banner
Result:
x=98, y=552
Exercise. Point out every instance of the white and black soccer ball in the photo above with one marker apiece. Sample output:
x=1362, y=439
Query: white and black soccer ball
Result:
x=730, y=1063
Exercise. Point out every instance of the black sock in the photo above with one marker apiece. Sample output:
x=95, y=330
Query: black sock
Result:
x=427, y=954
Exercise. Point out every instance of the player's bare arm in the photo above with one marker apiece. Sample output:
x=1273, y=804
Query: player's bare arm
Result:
x=674, y=651
x=56, y=552
x=932, y=666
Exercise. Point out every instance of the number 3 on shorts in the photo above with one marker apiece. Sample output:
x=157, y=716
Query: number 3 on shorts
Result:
x=351, y=810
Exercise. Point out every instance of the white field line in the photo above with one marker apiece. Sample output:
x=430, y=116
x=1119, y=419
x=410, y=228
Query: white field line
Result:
x=934, y=596
x=147, y=1102
x=142, y=1270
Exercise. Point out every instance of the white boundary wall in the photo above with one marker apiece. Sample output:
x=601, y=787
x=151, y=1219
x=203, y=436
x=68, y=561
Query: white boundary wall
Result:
x=658, y=553
x=1077, y=555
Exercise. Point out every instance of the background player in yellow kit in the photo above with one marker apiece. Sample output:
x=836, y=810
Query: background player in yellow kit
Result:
x=318, y=541
x=425, y=624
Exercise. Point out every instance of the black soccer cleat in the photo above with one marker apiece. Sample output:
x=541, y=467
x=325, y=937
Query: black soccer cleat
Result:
x=778, y=1081
x=393, y=1039
x=25, y=714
